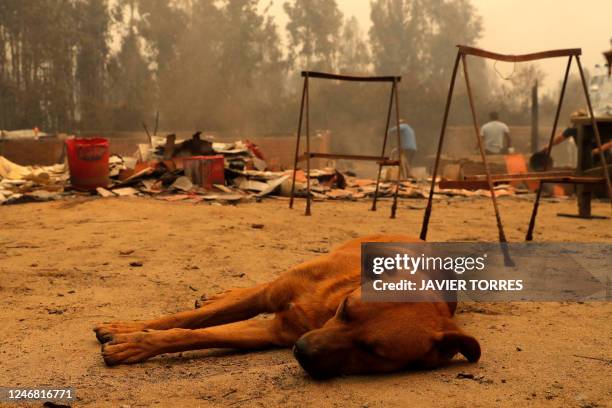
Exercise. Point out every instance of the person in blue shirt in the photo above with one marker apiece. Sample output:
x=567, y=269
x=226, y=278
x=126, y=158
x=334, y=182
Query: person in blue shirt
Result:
x=407, y=148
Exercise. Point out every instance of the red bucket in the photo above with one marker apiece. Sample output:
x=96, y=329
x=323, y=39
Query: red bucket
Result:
x=88, y=163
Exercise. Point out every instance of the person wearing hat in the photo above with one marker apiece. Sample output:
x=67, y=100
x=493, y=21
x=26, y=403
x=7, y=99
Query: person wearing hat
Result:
x=572, y=131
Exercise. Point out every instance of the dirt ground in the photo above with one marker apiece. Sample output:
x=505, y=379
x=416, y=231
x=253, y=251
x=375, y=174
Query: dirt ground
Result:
x=66, y=265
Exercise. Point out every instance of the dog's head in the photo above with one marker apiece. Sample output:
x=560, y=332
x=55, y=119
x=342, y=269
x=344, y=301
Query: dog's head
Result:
x=364, y=338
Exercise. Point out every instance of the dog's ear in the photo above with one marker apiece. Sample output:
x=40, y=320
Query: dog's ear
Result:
x=342, y=311
x=451, y=342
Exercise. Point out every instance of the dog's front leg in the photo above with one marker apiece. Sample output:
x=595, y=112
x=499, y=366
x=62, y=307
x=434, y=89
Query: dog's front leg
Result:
x=251, y=335
x=231, y=306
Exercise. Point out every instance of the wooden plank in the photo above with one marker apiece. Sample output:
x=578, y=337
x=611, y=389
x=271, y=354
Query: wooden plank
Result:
x=479, y=177
x=586, y=120
x=597, y=171
x=389, y=162
x=463, y=185
x=354, y=78
x=482, y=184
x=385, y=160
x=575, y=180
x=518, y=58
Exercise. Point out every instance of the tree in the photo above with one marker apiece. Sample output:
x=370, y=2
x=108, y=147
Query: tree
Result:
x=416, y=38
x=250, y=67
x=130, y=77
x=162, y=24
x=229, y=68
x=94, y=21
x=190, y=102
x=59, y=53
x=512, y=97
x=573, y=100
x=37, y=64
x=270, y=81
x=354, y=55
x=399, y=35
x=314, y=30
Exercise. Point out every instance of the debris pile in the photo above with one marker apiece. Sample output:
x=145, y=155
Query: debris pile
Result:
x=21, y=184
x=199, y=170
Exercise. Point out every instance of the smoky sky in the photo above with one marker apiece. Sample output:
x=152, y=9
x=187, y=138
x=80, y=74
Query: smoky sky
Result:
x=522, y=26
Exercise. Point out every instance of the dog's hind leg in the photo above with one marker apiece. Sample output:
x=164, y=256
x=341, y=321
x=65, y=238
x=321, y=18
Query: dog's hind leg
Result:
x=135, y=347
x=231, y=306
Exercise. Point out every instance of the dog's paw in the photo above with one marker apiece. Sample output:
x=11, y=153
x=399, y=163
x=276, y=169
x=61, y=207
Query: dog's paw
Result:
x=106, y=331
x=128, y=348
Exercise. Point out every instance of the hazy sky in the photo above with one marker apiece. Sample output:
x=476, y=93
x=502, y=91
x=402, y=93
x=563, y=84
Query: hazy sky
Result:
x=523, y=26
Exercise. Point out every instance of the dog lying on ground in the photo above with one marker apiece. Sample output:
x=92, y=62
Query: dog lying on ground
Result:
x=318, y=310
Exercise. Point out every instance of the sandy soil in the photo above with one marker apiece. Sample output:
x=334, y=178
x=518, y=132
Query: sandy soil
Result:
x=62, y=270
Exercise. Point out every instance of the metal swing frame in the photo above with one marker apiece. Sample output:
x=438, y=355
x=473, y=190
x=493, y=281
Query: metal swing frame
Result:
x=382, y=160
x=462, y=53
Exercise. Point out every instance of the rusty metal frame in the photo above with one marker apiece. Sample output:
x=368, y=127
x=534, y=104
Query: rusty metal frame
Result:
x=381, y=160
x=464, y=51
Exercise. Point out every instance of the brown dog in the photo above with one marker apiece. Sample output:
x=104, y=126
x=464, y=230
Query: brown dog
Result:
x=318, y=310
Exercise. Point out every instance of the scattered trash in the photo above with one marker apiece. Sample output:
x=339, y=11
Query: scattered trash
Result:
x=205, y=171
x=105, y=193
x=115, y=165
x=182, y=183
x=476, y=377
x=222, y=188
x=200, y=171
x=245, y=184
x=465, y=376
x=125, y=192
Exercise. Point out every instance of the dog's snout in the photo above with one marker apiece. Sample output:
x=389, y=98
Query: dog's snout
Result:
x=317, y=363
x=301, y=350
x=308, y=359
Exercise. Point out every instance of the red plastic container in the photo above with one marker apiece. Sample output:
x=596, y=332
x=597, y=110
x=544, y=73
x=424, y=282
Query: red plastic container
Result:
x=88, y=163
x=205, y=170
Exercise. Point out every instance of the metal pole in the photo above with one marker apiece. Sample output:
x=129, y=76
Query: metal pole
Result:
x=384, y=147
x=502, y=236
x=144, y=125
x=297, y=144
x=449, y=99
x=602, y=157
x=156, y=123
x=536, y=204
x=307, y=147
x=397, y=124
x=535, y=119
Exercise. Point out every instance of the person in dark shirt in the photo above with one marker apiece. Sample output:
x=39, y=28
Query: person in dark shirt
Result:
x=572, y=131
